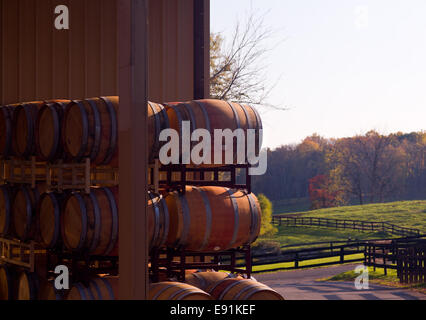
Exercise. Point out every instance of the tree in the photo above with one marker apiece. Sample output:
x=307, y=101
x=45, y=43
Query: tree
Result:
x=237, y=68
x=267, y=227
x=322, y=193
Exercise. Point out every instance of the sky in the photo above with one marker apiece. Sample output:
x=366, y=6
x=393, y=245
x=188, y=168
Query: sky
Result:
x=343, y=67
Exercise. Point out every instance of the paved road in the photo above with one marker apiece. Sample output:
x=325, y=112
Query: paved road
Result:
x=301, y=285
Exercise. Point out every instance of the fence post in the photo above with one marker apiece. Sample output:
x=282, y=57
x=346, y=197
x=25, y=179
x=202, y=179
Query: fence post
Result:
x=296, y=261
x=384, y=262
x=342, y=255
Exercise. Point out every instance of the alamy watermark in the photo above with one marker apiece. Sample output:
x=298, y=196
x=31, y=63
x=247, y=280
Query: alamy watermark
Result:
x=196, y=148
x=361, y=282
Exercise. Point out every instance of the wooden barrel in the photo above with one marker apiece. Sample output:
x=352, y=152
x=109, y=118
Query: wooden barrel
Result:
x=24, y=120
x=6, y=201
x=48, y=130
x=212, y=114
x=49, y=219
x=176, y=291
x=158, y=120
x=80, y=292
x=209, y=219
x=90, y=130
x=48, y=291
x=28, y=286
x=158, y=220
x=203, y=280
x=6, y=130
x=242, y=289
x=90, y=222
x=7, y=285
x=24, y=212
x=104, y=288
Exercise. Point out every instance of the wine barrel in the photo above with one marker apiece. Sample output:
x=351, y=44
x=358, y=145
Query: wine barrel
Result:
x=203, y=280
x=7, y=285
x=80, y=292
x=158, y=120
x=24, y=212
x=158, y=220
x=90, y=222
x=23, y=137
x=49, y=219
x=176, y=291
x=6, y=201
x=90, y=130
x=48, y=292
x=48, y=130
x=104, y=288
x=209, y=219
x=242, y=289
x=28, y=286
x=212, y=114
x=6, y=130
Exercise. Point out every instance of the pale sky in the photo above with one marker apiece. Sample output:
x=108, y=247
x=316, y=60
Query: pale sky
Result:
x=346, y=66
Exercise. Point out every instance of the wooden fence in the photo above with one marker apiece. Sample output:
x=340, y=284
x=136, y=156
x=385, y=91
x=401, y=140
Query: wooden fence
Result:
x=363, y=226
x=408, y=257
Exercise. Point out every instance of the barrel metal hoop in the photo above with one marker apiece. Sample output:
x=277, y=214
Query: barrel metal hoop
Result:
x=109, y=288
x=97, y=223
x=154, y=240
x=98, y=290
x=249, y=126
x=260, y=125
x=188, y=292
x=186, y=221
x=5, y=110
x=83, y=235
x=228, y=288
x=114, y=131
x=250, y=293
x=237, y=117
x=29, y=210
x=205, y=114
x=209, y=217
x=159, y=293
x=57, y=214
x=165, y=117
x=6, y=197
x=166, y=222
x=236, y=217
x=85, y=137
x=177, y=293
x=254, y=225
x=114, y=226
x=97, y=134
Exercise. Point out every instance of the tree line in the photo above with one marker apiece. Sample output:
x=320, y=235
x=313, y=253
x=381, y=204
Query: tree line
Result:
x=357, y=170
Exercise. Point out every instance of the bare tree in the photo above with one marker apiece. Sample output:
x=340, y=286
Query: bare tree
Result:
x=238, y=69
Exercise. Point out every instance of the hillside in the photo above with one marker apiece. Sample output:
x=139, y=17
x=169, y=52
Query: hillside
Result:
x=410, y=214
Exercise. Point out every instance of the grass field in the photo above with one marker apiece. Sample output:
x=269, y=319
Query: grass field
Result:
x=411, y=214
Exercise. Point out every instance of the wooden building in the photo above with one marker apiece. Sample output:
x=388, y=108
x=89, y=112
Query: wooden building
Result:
x=141, y=50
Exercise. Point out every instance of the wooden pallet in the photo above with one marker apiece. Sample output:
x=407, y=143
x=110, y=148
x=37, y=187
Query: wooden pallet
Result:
x=17, y=253
x=80, y=176
x=23, y=171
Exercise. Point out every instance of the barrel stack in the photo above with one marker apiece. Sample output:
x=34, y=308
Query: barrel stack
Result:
x=71, y=217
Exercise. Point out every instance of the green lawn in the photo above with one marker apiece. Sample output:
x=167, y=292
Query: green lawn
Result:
x=410, y=214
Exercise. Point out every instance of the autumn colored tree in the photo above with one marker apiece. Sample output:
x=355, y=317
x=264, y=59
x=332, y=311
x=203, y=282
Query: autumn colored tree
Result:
x=321, y=193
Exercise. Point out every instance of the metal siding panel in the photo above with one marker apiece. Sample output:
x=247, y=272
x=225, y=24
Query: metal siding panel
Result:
x=44, y=52
x=27, y=51
x=10, y=61
x=77, y=58
x=93, y=48
x=60, y=70
x=109, y=52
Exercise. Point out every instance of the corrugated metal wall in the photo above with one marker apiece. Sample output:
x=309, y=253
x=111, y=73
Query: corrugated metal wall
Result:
x=40, y=62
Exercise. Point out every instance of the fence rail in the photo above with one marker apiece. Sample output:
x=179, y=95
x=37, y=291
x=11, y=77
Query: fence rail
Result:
x=363, y=226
